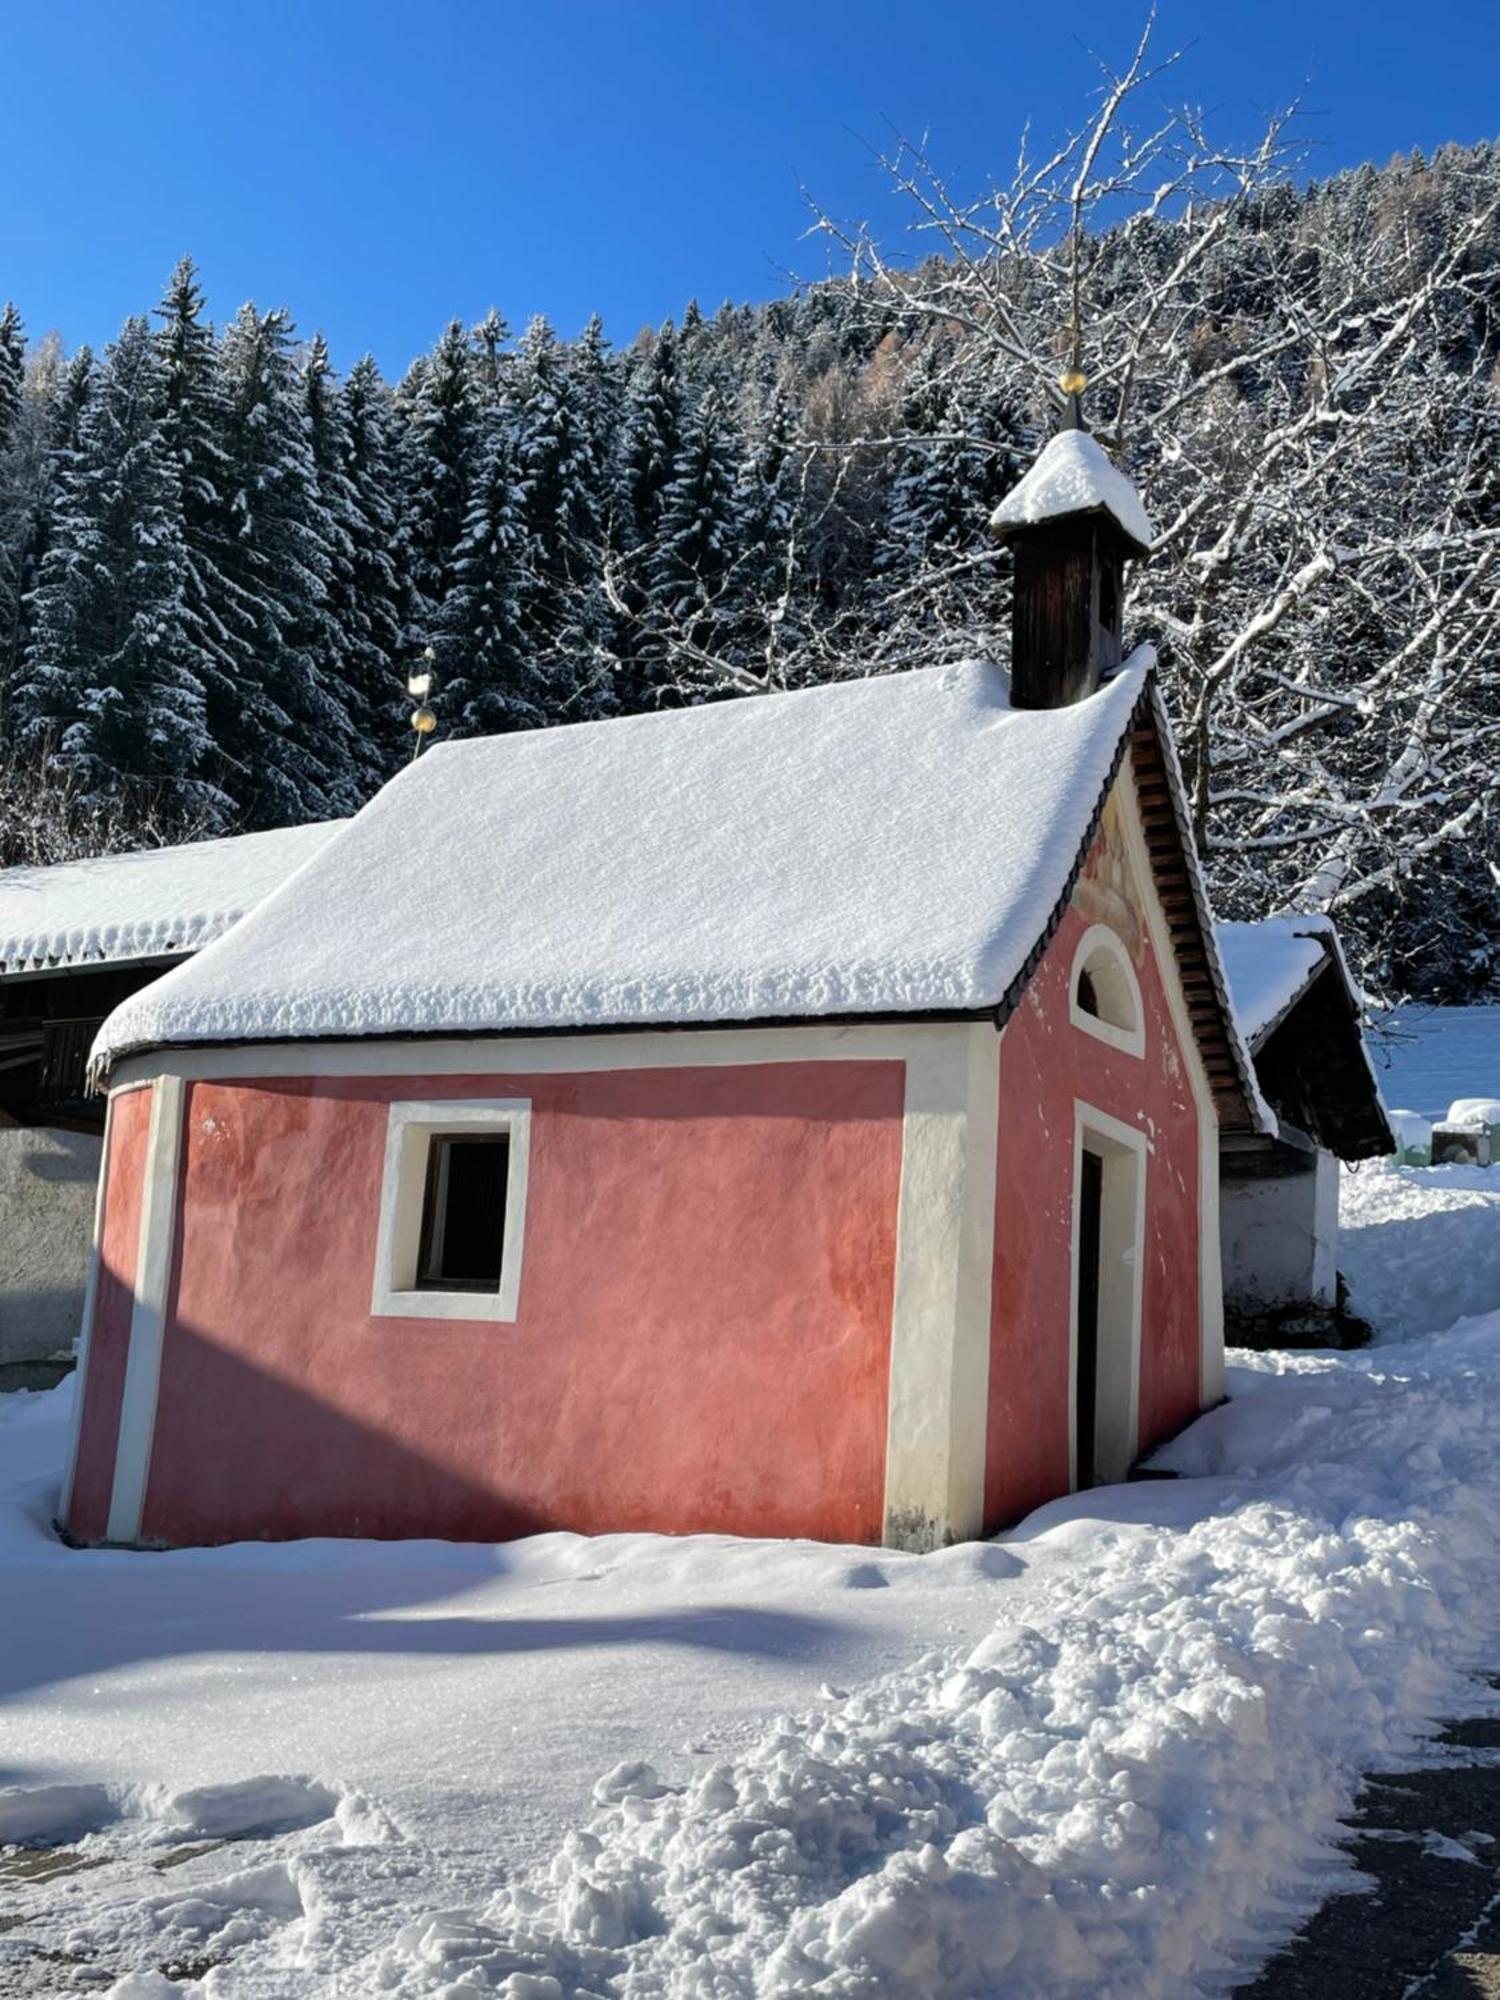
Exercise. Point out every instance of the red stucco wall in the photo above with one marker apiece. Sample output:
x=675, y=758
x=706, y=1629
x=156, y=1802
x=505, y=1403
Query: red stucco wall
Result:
x=703, y=1333
x=1045, y=1065
x=109, y=1336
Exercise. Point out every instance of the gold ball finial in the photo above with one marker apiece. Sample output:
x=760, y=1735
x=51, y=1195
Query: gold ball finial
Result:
x=423, y=720
x=1072, y=381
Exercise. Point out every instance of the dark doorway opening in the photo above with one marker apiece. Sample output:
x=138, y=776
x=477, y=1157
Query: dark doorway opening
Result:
x=1086, y=1380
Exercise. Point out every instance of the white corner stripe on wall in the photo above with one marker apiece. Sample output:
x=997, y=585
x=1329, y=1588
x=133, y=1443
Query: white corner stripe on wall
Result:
x=940, y=1322
x=148, y=1315
x=86, y=1329
x=976, y=1284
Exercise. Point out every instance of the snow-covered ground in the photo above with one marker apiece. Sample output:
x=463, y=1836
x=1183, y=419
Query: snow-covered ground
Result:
x=1422, y=1249
x=1426, y=1057
x=473, y=1694
x=1420, y=1245
x=1104, y=1756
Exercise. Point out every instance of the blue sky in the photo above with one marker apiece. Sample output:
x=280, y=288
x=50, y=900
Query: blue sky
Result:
x=381, y=167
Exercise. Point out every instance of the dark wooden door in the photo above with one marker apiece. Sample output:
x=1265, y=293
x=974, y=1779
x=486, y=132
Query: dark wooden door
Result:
x=1090, y=1209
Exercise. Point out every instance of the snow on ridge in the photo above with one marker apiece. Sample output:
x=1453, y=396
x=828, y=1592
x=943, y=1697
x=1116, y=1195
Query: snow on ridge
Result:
x=153, y=903
x=1122, y=1788
x=1074, y=474
x=888, y=845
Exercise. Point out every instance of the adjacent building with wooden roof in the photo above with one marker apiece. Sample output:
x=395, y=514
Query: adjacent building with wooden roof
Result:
x=1301, y=1016
x=76, y=939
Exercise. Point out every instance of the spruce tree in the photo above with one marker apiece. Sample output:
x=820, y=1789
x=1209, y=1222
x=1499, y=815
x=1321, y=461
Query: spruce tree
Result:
x=599, y=390
x=18, y=500
x=12, y=370
x=110, y=683
x=494, y=678
x=490, y=360
x=591, y=643
x=554, y=451
x=336, y=631
x=650, y=438
x=72, y=400
x=696, y=538
x=761, y=617
x=964, y=453
x=439, y=456
x=651, y=432
x=919, y=508
x=292, y=740
x=374, y=617
x=194, y=422
x=41, y=451
x=767, y=498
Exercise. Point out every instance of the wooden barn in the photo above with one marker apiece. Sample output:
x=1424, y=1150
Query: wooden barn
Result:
x=797, y=1115
x=1301, y=1017
x=77, y=938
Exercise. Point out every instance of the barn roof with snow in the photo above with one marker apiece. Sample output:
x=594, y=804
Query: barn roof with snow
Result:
x=117, y=909
x=1301, y=1015
x=902, y=845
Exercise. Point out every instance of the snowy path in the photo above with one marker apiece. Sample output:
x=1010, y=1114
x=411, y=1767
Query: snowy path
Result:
x=1130, y=1788
x=478, y=1693
x=1421, y=1918
x=1104, y=1759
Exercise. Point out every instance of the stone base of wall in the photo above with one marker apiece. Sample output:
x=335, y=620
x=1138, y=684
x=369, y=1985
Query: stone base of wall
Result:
x=35, y=1374
x=1304, y=1325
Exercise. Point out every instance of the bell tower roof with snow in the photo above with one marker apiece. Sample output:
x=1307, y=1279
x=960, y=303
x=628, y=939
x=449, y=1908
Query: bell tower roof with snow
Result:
x=1074, y=475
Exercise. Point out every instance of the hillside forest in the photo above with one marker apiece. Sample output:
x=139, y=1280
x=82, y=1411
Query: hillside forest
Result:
x=220, y=558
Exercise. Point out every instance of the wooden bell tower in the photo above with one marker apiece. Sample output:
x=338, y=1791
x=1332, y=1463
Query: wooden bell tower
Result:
x=1073, y=522
x=1065, y=619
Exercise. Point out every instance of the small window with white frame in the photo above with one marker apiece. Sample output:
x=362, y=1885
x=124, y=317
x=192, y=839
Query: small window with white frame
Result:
x=452, y=1210
x=1104, y=995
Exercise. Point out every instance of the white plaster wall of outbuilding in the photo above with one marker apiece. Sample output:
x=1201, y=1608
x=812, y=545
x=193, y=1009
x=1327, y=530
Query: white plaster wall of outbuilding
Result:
x=47, y=1184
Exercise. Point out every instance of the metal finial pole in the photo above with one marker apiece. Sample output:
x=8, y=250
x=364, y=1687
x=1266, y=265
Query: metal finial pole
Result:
x=1072, y=380
x=419, y=687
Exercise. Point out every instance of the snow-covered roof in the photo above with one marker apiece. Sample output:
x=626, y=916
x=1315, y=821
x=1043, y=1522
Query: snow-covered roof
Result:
x=898, y=845
x=1270, y=965
x=155, y=904
x=1073, y=474
x=882, y=846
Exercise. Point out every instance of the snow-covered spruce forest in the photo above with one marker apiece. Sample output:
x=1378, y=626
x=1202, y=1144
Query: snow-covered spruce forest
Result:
x=219, y=558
